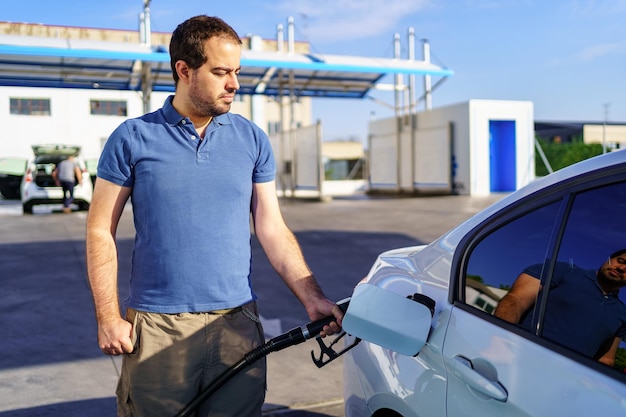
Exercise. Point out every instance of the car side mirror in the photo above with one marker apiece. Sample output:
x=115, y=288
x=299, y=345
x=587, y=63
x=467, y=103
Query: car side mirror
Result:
x=398, y=323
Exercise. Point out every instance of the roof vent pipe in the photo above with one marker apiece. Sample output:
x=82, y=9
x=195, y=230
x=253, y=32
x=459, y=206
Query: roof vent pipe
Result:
x=412, y=101
x=142, y=28
x=428, y=91
x=291, y=35
x=280, y=38
x=144, y=24
x=397, y=76
x=398, y=113
x=146, y=70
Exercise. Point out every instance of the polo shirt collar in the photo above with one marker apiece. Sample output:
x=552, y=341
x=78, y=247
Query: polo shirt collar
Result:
x=173, y=117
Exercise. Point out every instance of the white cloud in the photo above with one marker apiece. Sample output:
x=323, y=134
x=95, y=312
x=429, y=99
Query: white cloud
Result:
x=325, y=20
x=599, y=51
x=498, y=4
x=588, y=8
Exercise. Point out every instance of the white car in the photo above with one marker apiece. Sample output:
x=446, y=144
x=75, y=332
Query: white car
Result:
x=38, y=186
x=432, y=344
x=11, y=173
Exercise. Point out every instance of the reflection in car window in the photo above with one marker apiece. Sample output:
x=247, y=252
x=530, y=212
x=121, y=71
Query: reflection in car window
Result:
x=575, y=299
x=596, y=226
x=497, y=260
x=585, y=305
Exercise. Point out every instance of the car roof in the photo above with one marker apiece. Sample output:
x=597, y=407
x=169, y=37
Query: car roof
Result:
x=56, y=150
x=613, y=159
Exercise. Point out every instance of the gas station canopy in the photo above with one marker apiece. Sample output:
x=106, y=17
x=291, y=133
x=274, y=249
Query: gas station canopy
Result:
x=75, y=63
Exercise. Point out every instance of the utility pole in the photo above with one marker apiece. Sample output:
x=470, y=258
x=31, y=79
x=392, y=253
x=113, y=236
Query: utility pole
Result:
x=606, y=117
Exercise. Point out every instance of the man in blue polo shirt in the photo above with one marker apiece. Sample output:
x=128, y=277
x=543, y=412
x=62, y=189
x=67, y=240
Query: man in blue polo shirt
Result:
x=583, y=311
x=194, y=173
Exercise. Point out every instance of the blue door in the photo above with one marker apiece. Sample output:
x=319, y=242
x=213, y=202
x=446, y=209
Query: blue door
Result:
x=502, y=157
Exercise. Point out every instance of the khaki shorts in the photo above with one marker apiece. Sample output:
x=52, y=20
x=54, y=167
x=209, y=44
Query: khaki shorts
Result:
x=176, y=356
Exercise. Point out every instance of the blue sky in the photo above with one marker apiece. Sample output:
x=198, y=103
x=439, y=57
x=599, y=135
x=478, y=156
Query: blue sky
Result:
x=566, y=56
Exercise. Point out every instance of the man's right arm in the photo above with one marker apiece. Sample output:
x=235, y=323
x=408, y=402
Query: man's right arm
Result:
x=105, y=211
x=519, y=299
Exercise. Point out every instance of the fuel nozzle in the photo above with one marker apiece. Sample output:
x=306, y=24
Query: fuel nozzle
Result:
x=300, y=334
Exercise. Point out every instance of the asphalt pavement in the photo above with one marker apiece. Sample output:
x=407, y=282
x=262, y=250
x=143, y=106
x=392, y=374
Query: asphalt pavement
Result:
x=51, y=365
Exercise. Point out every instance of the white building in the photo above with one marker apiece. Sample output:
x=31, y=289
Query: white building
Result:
x=477, y=147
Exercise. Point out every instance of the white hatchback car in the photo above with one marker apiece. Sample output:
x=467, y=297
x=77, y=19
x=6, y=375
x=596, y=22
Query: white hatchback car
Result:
x=38, y=186
x=433, y=342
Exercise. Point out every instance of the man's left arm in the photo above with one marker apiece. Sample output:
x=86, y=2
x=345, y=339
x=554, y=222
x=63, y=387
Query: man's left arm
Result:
x=55, y=176
x=79, y=174
x=284, y=253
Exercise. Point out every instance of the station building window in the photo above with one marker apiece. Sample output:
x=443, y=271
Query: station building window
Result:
x=30, y=106
x=109, y=107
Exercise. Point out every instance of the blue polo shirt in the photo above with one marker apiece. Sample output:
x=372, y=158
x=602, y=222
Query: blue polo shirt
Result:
x=578, y=314
x=191, y=207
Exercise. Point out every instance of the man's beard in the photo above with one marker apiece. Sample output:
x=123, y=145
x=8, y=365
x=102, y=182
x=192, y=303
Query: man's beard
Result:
x=607, y=281
x=203, y=107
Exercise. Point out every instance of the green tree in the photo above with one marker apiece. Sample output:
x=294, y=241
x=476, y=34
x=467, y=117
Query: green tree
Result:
x=561, y=155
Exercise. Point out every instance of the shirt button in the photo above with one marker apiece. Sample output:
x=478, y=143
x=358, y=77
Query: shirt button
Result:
x=193, y=137
x=184, y=122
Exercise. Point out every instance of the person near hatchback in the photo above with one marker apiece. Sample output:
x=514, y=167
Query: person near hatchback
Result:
x=65, y=175
x=196, y=173
x=583, y=311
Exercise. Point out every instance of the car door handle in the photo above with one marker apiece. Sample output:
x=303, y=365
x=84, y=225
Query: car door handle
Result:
x=479, y=375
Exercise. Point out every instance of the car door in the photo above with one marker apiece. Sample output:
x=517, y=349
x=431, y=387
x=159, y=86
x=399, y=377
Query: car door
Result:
x=11, y=172
x=498, y=368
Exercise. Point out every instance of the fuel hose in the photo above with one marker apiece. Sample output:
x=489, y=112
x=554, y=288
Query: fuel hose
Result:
x=293, y=337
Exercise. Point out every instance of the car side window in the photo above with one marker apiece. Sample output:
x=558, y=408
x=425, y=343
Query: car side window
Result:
x=584, y=304
x=559, y=273
x=498, y=258
x=596, y=225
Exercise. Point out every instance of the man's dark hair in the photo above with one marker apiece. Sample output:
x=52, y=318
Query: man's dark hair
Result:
x=187, y=42
x=618, y=253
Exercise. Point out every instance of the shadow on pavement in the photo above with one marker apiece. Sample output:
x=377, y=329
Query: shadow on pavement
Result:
x=338, y=259
x=47, y=310
x=87, y=408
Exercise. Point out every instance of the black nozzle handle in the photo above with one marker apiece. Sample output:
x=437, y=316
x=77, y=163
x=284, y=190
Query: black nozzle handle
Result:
x=314, y=328
x=300, y=334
